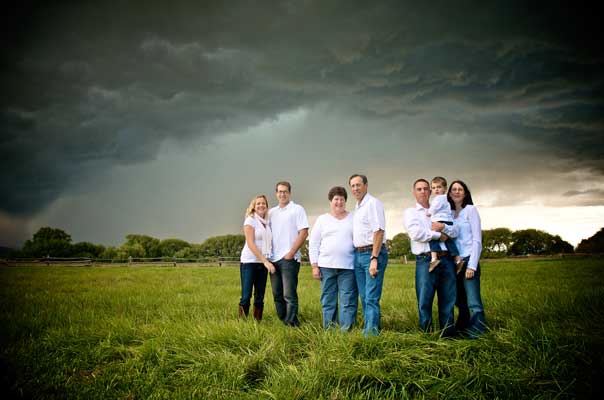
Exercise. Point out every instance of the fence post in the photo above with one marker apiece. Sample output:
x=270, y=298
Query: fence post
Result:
x=129, y=260
x=405, y=257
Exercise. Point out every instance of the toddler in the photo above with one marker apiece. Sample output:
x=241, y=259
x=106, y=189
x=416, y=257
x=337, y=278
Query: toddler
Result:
x=440, y=211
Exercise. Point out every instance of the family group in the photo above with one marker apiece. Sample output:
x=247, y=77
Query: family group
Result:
x=348, y=254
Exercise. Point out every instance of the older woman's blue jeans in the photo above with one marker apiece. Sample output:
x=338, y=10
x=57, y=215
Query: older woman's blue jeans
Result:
x=339, y=283
x=253, y=277
x=471, y=320
x=442, y=282
x=370, y=289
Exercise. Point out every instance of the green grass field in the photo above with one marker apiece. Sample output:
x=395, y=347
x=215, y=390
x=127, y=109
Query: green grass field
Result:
x=163, y=333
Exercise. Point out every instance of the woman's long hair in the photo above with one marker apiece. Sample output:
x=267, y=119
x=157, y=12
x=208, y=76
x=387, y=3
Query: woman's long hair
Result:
x=467, y=198
x=251, y=210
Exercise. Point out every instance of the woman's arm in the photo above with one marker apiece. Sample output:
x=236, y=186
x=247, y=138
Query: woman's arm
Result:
x=314, y=244
x=475, y=228
x=250, y=240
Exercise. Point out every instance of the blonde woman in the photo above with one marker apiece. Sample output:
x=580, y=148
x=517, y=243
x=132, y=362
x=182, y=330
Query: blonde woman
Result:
x=255, y=265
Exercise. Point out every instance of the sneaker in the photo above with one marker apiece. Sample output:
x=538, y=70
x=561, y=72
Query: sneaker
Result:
x=433, y=264
x=459, y=265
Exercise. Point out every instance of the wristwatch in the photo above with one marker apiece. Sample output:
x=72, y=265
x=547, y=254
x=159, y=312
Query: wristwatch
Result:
x=373, y=258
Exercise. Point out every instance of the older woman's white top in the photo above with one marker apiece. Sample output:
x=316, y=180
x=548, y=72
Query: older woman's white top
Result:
x=330, y=244
x=469, y=239
x=246, y=254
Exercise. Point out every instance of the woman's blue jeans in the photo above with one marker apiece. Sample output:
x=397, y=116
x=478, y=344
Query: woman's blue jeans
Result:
x=339, y=283
x=370, y=289
x=253, y=277
x=471, y=320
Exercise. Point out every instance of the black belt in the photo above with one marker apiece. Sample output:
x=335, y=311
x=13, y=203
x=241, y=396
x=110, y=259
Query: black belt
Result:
x=365, y=248
x=439, y=254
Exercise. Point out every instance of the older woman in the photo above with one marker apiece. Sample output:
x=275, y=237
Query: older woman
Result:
x=471, y=320
x=331, y=254
x=254, y=257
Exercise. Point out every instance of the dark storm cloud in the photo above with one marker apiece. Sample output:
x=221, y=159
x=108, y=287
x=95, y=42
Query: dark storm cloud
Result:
x=89, y=85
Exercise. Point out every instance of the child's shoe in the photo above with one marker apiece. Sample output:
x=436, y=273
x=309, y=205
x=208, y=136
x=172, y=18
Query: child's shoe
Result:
x=433, y=264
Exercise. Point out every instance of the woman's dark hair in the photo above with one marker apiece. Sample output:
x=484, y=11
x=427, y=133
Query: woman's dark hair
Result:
x=337, y=191
x=467, y=198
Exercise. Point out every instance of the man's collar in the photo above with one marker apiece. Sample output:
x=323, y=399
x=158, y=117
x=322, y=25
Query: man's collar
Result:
x=363, y=200
x=420, y=207
x=285, y=206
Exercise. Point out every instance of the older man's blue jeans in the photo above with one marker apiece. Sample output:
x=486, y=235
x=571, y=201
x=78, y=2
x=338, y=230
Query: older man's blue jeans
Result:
x=339, y=283
x=284, y=283
x=441, y=281
x=253, y=277
x=370, y=289
x=471, y=320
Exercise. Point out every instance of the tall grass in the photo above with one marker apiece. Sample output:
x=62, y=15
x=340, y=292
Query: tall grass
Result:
x=163, y=333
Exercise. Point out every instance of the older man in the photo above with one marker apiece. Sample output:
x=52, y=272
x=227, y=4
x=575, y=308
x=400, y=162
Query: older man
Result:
x=290, y=229
x=370, y=255
x=442, y=280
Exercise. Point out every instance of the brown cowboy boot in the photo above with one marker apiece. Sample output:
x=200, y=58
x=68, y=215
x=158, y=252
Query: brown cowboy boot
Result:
x=258, y=313
x=243, y=311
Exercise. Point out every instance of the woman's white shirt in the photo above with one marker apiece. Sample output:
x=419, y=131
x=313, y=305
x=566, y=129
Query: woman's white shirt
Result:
x=330, y=244
x=469, y=239
x=246, y=254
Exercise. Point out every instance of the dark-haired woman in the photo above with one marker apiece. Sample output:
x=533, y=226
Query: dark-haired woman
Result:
x=471, y=320
x=331, y=254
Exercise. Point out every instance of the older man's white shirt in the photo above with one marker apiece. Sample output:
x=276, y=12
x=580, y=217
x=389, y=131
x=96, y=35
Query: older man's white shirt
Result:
x=369, y=217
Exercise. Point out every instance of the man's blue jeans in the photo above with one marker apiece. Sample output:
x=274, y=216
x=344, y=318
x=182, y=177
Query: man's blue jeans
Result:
x=370, y=289
x=441, y=281
x=284, y=283
x=337, y=282
x=253, y=276
x=471, y=319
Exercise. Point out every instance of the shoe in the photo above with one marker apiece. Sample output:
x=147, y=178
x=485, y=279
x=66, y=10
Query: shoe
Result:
x=258, y=313
x=433, y=264
x=243, y=311
x=459, y=266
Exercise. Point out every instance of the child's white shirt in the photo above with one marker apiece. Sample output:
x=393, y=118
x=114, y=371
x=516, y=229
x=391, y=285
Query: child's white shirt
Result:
x=440, y=209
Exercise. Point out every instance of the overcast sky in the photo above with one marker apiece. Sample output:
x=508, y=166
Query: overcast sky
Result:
x=167, y=119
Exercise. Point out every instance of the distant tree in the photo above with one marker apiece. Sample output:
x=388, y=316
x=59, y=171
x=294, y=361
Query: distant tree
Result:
x=110, y=253
x=594, y=244
x=87, y=249
x=399, y=246
x=223, y=246
x=193, y=251
x=303, y=250
x=134, y=250
x=529, y=241
x=556, y=245
x=496, y=240
x=169, y=247
x=533, y=241
x=8, y=252
x=48, y=241
x=149, y=244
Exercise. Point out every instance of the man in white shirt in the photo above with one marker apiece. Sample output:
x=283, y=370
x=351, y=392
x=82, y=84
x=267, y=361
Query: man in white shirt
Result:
x=289, y=225
x=442, y=280
x=370, y=253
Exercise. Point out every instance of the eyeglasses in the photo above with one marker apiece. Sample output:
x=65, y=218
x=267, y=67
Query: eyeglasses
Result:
x=282, y=191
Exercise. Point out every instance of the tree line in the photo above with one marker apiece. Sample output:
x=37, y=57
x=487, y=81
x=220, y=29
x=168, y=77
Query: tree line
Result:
x=498, y=242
